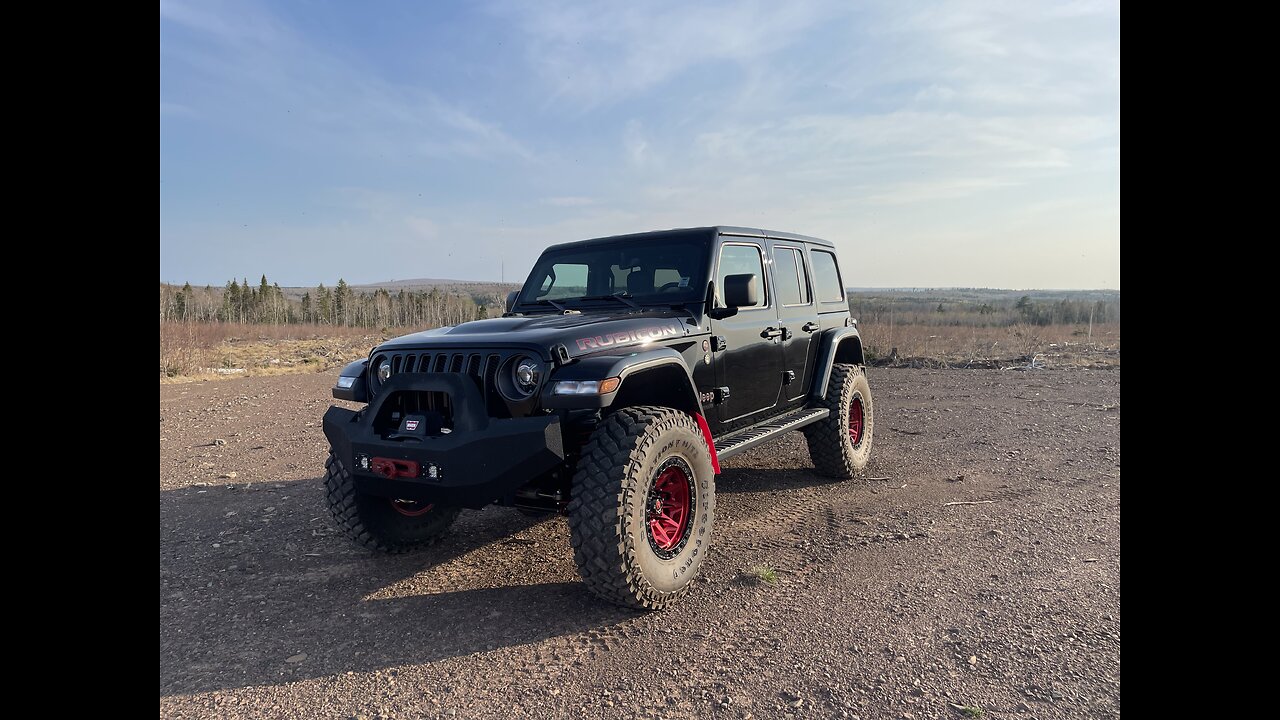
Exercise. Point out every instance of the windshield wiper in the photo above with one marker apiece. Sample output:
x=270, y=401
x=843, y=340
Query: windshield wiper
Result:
x=554, y=304
x=622, y=297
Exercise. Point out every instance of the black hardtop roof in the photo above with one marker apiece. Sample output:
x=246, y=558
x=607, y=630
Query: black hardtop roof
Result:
x=678, y=232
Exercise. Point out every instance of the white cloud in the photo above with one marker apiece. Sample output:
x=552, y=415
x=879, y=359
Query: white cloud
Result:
x=928, y=138
x=636, y=145
x=597, y=53
x=258, y=75
x=422, y=227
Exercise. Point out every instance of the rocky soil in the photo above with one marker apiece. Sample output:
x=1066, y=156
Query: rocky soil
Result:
x=890, y=600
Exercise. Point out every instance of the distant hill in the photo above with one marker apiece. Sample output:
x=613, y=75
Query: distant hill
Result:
x=418, y=283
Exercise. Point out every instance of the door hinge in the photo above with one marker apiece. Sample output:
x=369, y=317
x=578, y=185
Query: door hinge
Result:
x=788, y=377
x=722, y=394
x=718, y=343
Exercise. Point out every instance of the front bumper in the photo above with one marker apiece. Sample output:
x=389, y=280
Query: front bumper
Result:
x=481, y=461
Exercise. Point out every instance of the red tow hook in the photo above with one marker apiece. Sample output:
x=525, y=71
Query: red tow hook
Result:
x=391, y=468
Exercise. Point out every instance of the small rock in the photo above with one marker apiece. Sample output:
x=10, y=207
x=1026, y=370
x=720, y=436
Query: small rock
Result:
x=973, y=659
x=219, y=442
x=994, y=533
x=1022, y=707
x=295, y=659
x=229, y=476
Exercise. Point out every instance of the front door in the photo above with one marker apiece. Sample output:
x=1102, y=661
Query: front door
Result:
x=798, y=317
x=750, y=366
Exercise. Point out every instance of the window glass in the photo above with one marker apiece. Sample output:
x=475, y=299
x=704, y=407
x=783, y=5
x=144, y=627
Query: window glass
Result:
x=788, y=278
x=826, y=277
x=740, y=260
x=564, y=280
x=659, y=272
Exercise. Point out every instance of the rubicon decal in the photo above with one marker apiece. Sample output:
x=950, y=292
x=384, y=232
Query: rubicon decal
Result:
x=627, y=337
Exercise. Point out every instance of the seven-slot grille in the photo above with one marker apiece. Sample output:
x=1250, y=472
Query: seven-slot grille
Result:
x=482, y=367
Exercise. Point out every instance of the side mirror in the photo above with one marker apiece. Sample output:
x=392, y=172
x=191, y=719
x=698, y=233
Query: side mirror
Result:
x=511, y=299
x=741, y=290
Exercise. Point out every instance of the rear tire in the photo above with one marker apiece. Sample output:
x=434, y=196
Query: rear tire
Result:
x=380, y=523
x=840, y=445
x=643, y=507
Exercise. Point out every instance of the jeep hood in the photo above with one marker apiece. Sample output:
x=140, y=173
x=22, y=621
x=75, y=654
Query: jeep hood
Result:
x=580, y=334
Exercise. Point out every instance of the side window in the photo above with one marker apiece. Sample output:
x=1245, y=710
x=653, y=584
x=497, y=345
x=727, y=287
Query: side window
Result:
x=564, y=280
x=788, y=275
x=826, y=277
x=739, y=260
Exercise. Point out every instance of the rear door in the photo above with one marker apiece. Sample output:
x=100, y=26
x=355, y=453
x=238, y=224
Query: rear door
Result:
x=797, y=316
x=750, y=366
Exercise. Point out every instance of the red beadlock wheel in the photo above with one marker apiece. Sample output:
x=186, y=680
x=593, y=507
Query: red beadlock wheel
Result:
x=669, y=508
x=855, y=421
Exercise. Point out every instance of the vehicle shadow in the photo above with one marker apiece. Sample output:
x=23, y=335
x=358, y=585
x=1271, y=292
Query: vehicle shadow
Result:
x=256, y=587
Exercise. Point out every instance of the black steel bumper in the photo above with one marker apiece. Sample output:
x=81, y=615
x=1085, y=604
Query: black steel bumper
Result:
x=482, y=460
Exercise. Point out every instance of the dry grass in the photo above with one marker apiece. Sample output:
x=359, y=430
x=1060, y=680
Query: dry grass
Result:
x=953, y=345
x=203, y=351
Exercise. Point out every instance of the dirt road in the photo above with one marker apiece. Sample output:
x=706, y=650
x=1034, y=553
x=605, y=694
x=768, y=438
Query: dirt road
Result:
x=890, y=603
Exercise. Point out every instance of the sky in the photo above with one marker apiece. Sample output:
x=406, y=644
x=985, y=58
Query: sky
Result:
x=938, y=144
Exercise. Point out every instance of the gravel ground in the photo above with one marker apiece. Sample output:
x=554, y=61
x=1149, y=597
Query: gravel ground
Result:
x=889, y=602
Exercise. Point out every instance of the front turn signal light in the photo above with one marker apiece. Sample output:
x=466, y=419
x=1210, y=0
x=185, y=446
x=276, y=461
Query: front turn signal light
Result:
x=586, y=387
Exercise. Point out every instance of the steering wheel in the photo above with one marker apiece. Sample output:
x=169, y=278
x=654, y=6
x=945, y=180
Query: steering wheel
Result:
x=673, y=285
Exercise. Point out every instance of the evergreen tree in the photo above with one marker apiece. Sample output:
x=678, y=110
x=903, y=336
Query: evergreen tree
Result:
x=231, y=302
x=341, y=301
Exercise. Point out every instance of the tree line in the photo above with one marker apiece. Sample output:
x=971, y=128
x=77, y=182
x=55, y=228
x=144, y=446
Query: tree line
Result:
x=342, y=305
x=874, y=308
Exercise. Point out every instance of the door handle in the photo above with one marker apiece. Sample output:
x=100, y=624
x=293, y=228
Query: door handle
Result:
x=771, y=332
x=810, y=326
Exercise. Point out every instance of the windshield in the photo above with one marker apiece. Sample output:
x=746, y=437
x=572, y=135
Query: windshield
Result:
x=667, y=273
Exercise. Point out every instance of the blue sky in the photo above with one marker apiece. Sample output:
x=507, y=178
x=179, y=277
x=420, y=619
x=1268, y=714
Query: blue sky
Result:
x=936, y=143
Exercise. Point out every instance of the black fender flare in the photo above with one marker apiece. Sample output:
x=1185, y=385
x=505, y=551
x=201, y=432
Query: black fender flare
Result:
x=677, y=386
x=356, y=389
x=837, y=345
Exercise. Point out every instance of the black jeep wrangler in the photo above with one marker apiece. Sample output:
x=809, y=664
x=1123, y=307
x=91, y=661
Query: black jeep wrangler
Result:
x=622, y=374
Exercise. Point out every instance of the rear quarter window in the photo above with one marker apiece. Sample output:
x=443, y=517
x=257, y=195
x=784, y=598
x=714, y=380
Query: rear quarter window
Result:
x=826, y=277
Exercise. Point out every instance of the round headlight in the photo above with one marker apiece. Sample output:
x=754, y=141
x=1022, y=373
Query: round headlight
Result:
x=527, y=374
x=384, y=372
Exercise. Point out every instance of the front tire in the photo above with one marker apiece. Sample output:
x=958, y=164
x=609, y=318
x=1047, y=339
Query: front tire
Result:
x=378, y=523
x=643, y=507
x=840, y=445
